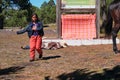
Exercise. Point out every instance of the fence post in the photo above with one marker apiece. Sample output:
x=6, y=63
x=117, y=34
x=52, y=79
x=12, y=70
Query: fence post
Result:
x=98, y=18
x=58, y=18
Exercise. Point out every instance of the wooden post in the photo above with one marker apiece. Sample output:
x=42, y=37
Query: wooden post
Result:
x=58, y=18
x=98, y=18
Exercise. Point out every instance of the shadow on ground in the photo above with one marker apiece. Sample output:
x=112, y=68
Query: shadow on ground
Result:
x=51, y=57
x=85, y=74
x=10, y=70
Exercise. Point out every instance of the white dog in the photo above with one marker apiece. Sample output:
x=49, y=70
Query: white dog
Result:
x=53, y=45
x=49, y=45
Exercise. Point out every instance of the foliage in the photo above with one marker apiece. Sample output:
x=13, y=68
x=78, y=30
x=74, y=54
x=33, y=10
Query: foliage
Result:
x=44, y=4
x=18, y=12
x=23, y=4
x=48, y=12
x=108, y=2
x=103, y=13
x=14, y=12
x=19, y=17
x=105, y=4
x=51, y=3
x=16, y=18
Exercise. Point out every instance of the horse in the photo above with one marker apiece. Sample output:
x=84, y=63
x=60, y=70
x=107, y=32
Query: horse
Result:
x=112, y=25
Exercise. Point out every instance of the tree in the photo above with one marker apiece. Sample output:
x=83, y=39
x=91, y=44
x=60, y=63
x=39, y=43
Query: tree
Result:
x=3, y=5
x=103, y=13
x=15, y=12
x=104, y=7
x=25, y=5
x=44, y=4
x=51, y=3
x=1, y=21
x=16, y=18
x=48, y=12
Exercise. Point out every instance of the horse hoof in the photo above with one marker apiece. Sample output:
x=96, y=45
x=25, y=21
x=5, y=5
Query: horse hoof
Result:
x=117, y=51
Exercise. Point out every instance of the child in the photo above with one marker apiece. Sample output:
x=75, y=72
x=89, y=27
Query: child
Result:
x=35, y=33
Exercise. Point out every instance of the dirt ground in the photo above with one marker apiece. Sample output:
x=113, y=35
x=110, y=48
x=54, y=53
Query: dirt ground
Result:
x=94, y=62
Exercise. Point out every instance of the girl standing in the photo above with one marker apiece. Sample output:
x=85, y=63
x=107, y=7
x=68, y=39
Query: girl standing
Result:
x=35, y=33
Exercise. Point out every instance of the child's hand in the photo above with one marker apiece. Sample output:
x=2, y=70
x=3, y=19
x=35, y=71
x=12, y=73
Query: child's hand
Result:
x=17, y=32
x=34, y=28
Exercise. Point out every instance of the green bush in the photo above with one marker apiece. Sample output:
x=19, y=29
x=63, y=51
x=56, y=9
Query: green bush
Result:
x=15, y=18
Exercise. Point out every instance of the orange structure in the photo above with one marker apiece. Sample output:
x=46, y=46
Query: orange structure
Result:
x=78, y=26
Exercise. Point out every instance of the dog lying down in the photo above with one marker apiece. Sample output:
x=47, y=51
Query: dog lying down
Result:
x=49, y=45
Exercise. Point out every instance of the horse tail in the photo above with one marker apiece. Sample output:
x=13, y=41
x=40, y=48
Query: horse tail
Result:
x=109, y=23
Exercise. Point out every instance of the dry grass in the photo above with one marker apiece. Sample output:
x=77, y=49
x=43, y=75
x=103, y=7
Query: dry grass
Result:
x=96, y=62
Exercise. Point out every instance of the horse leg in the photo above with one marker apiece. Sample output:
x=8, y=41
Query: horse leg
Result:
x=114, y=35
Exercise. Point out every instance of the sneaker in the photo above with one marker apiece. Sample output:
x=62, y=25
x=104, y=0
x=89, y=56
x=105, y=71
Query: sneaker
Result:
x=40, y=56
x=31, y=60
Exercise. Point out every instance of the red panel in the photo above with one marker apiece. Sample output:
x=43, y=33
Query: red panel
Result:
x=78, y=26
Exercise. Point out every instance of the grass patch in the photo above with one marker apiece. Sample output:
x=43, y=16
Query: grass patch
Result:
x=80, y=2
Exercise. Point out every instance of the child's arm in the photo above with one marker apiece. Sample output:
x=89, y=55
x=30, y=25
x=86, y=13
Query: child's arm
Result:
x=22, y=31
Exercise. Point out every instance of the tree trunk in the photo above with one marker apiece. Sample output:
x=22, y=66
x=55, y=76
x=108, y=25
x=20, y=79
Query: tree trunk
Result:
x=1, y=19
x=1, y=23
